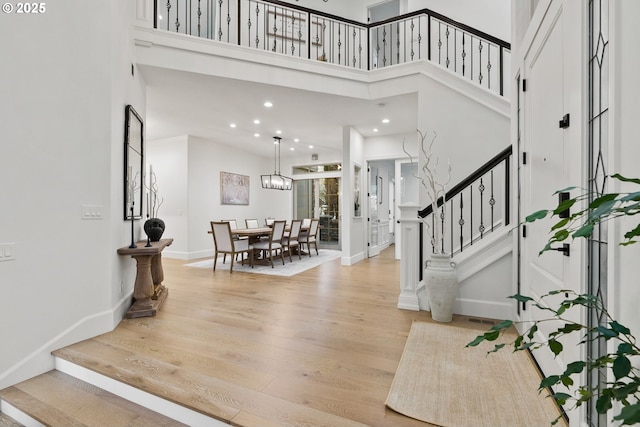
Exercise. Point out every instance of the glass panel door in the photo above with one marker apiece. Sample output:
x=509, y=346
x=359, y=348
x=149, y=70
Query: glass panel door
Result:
x=320, y=198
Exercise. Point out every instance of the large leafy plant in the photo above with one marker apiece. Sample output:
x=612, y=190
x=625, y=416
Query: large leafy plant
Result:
x=621, y=361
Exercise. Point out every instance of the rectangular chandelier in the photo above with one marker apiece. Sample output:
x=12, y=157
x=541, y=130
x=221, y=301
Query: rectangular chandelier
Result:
x=276, y=181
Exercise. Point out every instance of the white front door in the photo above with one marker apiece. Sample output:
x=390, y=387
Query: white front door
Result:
x=553, y=160
x=374, y=218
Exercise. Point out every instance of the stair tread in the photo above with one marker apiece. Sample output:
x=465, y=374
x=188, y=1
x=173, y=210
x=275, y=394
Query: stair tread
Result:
x=55, y=398
x=7, y=421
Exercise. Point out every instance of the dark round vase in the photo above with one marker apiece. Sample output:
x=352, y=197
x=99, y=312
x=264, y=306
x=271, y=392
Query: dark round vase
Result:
x=154, y=227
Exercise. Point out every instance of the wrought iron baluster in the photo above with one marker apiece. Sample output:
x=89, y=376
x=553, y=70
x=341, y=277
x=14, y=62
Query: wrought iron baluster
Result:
x=339, y=44
x=439, y=43
x=480, y=77
x=446, y=33
x=177, y=16
x=488, y=65
x=249, y=25
x=360, y=47
x=492, y=201
x=377, y=45
x=168, y=13
x=384, y=46
x=442, y=215
x=471, y=43
x=199, y=13
x=397, y=43
x=455, y=50
x=354, y=47
x=219, y=20
x=461, y=223
x=275, y=30
x=228, y=21
x=481, y=189
x=257, y=25
x=293, y=26
x=464, y=54
x=451, y=223
x=412, y=28
x=324, y=38
x=471, y=214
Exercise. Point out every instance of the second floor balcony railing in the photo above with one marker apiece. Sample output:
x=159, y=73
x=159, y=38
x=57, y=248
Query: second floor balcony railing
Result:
x=297, y=31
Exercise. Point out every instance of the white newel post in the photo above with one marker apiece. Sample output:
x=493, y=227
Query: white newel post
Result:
x=409, y=257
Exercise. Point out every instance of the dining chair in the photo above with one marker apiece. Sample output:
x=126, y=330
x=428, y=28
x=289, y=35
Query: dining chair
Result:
x=273, y=244
x=306, y=222
x=310, y=236
x=268, y=222
x=234, y=226
x=291, y=240
x=225, y=244
x=251, y=223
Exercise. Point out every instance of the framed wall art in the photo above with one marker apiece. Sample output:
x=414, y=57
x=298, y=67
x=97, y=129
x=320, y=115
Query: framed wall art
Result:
x=133, y=164
x=234, y=189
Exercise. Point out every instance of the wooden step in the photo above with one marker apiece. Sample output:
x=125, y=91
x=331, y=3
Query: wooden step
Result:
x=7, y=421
x=58, y=399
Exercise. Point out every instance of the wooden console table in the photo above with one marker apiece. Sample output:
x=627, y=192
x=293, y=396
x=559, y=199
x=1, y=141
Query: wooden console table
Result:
x=148, y=291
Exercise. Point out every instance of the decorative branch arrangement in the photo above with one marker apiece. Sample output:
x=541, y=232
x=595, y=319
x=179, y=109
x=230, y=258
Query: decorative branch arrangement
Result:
x=429, y=178
x=153, y=200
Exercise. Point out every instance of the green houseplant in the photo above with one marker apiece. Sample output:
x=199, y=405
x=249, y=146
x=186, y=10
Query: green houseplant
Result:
x=621, y=361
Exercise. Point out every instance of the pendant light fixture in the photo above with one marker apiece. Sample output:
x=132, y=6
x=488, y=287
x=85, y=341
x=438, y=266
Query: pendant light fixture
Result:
x=276, y=181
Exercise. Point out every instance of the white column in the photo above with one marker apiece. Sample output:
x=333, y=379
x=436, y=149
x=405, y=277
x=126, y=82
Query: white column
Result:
x=409, y=257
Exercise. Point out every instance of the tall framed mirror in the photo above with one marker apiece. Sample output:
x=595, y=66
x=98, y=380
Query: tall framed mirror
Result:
x=133, y=164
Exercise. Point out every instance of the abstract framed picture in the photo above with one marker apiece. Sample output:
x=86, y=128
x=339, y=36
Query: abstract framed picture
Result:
x=234, y=189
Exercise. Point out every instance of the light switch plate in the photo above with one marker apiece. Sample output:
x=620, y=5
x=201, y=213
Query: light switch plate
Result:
x=92, y=211
x=7, y=252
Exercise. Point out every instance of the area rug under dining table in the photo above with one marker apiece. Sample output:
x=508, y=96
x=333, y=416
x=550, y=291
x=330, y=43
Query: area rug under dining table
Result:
x=442, y=382
x=290, y=268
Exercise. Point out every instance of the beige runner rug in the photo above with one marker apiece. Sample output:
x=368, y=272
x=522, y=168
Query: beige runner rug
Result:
x=442, y=382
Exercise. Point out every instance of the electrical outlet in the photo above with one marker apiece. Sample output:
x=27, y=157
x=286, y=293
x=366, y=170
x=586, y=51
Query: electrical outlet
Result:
x=92, y=211
x=7, y=252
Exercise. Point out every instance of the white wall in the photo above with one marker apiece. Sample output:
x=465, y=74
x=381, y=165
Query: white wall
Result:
x=188, y=170
x=490, y=16
x=64, y=88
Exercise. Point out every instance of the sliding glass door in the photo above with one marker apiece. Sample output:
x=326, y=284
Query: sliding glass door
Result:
x=320, y=198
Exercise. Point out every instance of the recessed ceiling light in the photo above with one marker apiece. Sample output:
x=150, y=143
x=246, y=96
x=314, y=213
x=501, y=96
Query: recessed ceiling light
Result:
x=311, y=146
x=375, y=129
x=291, y=148
x=256, y=121
x=279, y=132
x=296, y=140
x=268, y=104
x=256, y=135
x=385, y=121
x=232, y=125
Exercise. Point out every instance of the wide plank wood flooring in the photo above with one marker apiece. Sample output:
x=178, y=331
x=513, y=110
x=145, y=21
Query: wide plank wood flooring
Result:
x=316, y=349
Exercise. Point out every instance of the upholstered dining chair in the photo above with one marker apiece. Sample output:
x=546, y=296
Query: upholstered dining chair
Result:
x=273, y=244
x=306, y=222
x=310, y=236
x=290, y=241
x=234, y=226
x=268, y=222
x=226, y=244
x=251, y=223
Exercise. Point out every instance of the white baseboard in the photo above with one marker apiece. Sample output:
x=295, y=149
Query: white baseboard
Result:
x=41, y=360
x=352, y=259
x=15, y=413
x=485, y=309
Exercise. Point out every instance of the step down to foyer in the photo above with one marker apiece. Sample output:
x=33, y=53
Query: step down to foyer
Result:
x=7, y=421
x=58, y=399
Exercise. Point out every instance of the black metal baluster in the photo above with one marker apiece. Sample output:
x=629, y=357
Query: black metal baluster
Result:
x=354, y=47
x=188, y=22
x=488, y=65
x=177, y=16
x=324, y=39
x=507, y=190
x=258, y=25
x=471, y=214
x=471, y=74
x=384, y=46
x=455, y=50
x=219, y=20
x=412, y=28
x=433, y=232
x=360, y=48
x=168, y=11
x=451, y=223
x=275, y=30
x=397, y=43
x=199, y=15
x=293, y=26
x=228, y=21
x=464, y=54
x=377, y=46
x=461, y=223
x=439, y=43
x=480, y=77
x=446, y=33
x=428, y=37
x=492, y=201
x=249, y=25
x=339, y=44
x=442, y=215
x=481, y=188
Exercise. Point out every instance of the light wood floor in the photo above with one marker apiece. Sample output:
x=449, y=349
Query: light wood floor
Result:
x=317, y=349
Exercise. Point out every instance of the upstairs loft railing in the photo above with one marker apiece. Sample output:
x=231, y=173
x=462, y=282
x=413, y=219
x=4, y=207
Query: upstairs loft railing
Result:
x=476, y=207
x=287, y=29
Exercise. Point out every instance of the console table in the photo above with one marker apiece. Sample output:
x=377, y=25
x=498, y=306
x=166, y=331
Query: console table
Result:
x=148, y=291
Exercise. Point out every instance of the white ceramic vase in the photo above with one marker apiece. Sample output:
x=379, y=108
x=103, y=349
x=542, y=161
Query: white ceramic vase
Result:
x=441, y=278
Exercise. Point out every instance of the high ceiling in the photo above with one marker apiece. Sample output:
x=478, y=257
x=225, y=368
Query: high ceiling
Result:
x=180, y=103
